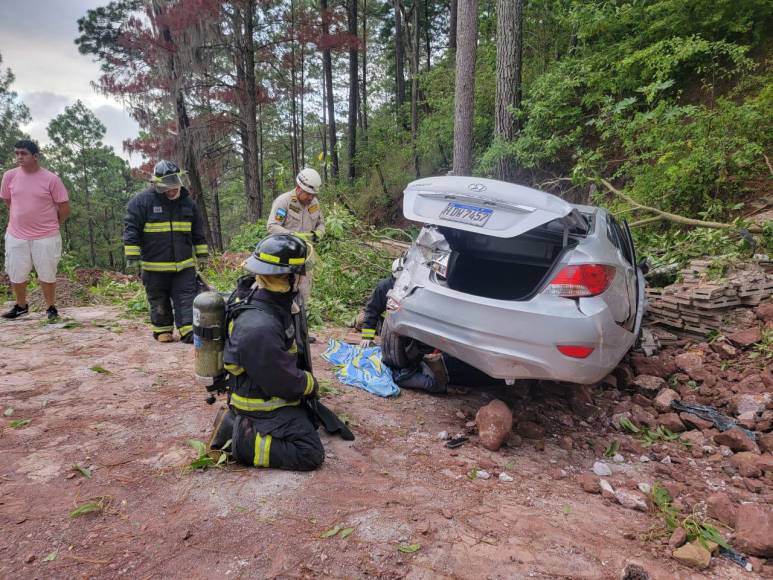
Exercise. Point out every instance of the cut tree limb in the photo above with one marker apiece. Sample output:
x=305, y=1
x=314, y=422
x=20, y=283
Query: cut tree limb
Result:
x=678, y=218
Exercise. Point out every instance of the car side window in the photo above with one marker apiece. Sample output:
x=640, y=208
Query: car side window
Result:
x=622, y=240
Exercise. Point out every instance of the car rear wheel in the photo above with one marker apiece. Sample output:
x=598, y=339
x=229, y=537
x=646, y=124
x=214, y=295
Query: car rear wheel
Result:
x=400, y=351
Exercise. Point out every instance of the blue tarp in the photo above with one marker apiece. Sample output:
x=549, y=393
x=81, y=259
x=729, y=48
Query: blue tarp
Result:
x=361, y=367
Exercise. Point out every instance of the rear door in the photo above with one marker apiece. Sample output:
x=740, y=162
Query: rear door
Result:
x=486, y=206
x=635, y=280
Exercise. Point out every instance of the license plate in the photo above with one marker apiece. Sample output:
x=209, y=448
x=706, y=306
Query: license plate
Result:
x=466, y=214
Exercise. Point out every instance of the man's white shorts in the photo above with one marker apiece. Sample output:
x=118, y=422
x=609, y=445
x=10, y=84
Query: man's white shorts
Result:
x=22, y=255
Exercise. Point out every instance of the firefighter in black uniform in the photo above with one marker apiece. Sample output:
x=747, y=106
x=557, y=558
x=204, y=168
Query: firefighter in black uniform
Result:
x=375, y=309
x=164, y=229
x=268, y=418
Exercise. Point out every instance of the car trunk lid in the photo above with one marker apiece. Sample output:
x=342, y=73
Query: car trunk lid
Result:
x=486, y=206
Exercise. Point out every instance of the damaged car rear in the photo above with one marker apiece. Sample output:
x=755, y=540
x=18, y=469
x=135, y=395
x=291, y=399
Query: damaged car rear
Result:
x=515, y=282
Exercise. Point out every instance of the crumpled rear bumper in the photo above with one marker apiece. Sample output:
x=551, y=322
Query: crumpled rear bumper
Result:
x=515, y=340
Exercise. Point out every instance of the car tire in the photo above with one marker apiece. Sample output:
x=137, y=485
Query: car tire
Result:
x=399, y=351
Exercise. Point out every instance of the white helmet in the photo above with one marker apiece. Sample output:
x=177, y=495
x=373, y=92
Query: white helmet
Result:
x=309, y=180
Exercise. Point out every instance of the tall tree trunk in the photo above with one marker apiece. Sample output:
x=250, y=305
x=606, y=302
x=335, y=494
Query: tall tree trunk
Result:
x=303, y=94
x=427, y=31
x=508, y=91
x=364, y=88
x=354, y=81
x=89, y=219
x=293, y=94
x=189, y=156
x=217, y=225
x=261, y=156
x=323, y=129
x=244, y=26
x=415, y=85
x=464, y=101
x=453, y=11
x=327, y=67
x=399, y=57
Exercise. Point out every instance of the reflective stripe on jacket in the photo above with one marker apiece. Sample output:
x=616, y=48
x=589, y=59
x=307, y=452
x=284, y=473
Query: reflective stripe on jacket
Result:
x=261, y=357
x=165, y=234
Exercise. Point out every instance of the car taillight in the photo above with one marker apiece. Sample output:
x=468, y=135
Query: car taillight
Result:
x=575, y=350
x=581, y=281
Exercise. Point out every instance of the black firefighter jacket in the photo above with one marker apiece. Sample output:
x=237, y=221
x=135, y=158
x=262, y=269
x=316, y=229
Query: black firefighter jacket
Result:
x=163, y=233
x=376, y=307
x=261, y=356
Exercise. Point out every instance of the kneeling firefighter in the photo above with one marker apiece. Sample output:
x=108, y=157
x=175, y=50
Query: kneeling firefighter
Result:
x=273, y=409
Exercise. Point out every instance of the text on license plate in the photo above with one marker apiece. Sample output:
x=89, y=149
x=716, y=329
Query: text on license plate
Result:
x=466, y=214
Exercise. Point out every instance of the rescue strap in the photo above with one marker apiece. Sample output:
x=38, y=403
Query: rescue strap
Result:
x=160, y=227
x=167, y=266
x=209, y=332
x=265, y=405
x=262, y=450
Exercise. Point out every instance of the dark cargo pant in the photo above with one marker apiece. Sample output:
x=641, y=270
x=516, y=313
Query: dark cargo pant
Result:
x=282, y=439
x=171, y=295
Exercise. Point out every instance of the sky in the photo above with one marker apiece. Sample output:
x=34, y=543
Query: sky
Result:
x=37, y=44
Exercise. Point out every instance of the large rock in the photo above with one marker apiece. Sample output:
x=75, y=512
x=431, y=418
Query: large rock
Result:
x=689, y=362
x=658, y=366
x=671, y=421
x=746, y=464
x=754, y=532
x=737, y=440
x=721, y=508
x=664, y=398
x=766, y=442
x=633, y=500
x=693, y=554
x=745, y=338
x=495, y=422
x=649, y=385
x=751, y=403
x=589, y=483
x=677, y=539
x=695, y=422
x=765, y=312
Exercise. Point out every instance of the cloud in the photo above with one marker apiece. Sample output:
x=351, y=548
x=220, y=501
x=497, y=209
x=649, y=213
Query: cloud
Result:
x=119, y=124
x=45, y=104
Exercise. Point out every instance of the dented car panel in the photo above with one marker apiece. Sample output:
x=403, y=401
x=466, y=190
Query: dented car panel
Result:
x=518, y=337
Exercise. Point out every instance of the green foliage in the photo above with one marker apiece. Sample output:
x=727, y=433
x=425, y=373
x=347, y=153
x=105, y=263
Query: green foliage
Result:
x=206, y=458
x=130, y=295
x=696, y=526
x=98, y=506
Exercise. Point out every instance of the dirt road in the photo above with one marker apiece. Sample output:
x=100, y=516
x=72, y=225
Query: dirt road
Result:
x=101, y=394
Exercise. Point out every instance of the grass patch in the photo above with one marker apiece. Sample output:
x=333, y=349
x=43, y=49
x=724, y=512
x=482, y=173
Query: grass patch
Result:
x=19, y=423
x=97, y=506
x=697, y=526
x=101, y=370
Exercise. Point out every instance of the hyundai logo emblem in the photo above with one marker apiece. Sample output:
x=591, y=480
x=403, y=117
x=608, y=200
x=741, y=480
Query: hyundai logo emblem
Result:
x=476, y=187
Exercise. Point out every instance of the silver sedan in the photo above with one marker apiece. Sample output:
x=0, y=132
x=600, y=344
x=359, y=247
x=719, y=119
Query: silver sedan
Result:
x=515, y=282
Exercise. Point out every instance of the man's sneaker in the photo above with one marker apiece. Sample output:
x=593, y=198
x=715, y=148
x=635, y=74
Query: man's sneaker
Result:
x=165, y=337
x=52, y=313
x=17, y=311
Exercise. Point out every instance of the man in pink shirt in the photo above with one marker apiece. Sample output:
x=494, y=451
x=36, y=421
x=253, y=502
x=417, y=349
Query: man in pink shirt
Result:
x=38, y=204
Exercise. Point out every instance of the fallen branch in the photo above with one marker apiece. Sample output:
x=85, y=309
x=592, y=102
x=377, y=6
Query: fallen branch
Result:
x=678, y=218
x=651, y=220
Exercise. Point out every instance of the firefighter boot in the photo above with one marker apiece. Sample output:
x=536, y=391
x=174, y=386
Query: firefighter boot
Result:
x=222, y=430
